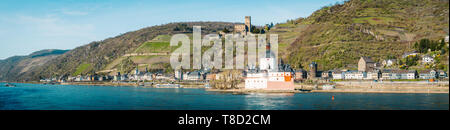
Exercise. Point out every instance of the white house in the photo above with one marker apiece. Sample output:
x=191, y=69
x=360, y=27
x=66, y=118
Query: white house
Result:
x=338, y=75
x=355, y=75
x=195, y=75
x=427, y=59
x=427, y=74
x=398, y=74
x=446, y=39
x=411, y=74
x=389, y=62
x=375, y=75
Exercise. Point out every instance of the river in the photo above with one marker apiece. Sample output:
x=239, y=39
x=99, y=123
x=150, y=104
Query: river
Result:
x=71, y=97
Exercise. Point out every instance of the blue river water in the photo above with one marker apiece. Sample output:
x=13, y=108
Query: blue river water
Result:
x=70, y=97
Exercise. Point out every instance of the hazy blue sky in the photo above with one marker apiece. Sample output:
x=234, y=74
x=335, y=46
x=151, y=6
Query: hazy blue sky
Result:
x=31, y=25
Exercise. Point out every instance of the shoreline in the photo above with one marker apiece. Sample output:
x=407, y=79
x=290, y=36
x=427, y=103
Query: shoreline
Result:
x=106, y=84
x=326, y=91
x=378, y=91
x=340, y=88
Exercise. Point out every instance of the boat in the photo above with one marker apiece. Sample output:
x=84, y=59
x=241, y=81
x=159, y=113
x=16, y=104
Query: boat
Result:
x=328, y=87
x=303, y=90
x=10, y=85
x=167, y=86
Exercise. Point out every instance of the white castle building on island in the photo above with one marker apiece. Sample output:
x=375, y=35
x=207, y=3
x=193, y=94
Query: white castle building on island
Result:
x=270, y=75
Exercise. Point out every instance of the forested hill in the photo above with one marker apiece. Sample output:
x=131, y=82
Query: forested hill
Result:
x=337, y=36
x=95, y=56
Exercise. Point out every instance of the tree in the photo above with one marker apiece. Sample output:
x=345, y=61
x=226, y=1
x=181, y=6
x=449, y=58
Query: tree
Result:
x=225, y=30
x=442, y=45
x=255, y=30
x=433, y=45
x=416, y=46
x=424, y=44
x=390, y=57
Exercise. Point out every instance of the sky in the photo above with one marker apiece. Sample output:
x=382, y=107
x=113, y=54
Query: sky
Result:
x=27, y=26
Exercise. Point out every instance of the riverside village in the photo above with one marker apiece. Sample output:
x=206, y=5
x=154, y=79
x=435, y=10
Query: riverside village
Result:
x=274, y=75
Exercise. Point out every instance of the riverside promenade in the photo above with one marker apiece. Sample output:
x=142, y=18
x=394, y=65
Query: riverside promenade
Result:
x=393, y=83
x=390, y=87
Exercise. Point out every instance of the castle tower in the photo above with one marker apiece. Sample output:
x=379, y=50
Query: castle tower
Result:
x=248, y=23
x=312, y=70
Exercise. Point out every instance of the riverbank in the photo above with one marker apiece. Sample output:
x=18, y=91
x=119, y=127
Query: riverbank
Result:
x=357, y=87
x=252, y=91
x=382, y=87
x=131, y=84
x=340, y=87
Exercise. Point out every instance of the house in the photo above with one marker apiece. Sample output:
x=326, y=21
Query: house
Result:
x=386, y=74
x=427, y=74
x=71, y=79
x=442, y=74
x=117, y=77
x=101, y=78
x=355, y=75
x=327, y=74
x=179, y=74
x=210, y=76
x=147, y=77
x=124, y=77
x=300, y=74
x=408, y=74
x=427, y=59
x=366, y=64
x=398, y=74
x=446, y=39
x=338, y=75
x=79, y=78
x=389, y=62
x=374, y=75
x=195, y=75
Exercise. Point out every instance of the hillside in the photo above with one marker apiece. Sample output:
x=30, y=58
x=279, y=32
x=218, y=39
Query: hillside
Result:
x=100, y=55
x=14, y=67
x=337, y=36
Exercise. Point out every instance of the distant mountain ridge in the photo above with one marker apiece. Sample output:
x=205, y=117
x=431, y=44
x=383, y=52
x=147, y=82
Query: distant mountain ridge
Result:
x=12, y=68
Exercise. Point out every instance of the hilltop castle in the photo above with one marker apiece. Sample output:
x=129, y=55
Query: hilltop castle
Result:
x=244, y=29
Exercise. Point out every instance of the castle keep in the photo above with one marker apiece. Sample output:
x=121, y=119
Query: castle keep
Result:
x=244, y=29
